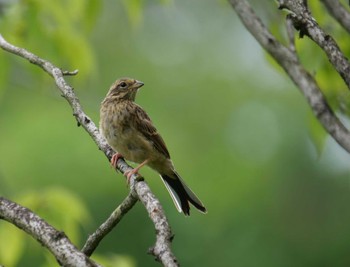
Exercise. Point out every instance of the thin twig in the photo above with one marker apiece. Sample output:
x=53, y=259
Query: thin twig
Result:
x=95, y=238
x=307, y=25
x=70, y=73
x=290, y=33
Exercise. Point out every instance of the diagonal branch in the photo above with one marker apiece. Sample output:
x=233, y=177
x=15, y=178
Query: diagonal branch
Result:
x=339, y=12
x=288, y=60
x=307, y=25
x=141, y=188
x=164, y=235
x=116, y=216
x=55, y=241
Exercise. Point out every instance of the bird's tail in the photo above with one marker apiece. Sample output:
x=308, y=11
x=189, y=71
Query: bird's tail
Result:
x=181, y=194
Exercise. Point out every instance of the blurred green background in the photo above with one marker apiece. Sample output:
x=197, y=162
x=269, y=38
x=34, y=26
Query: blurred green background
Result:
x=241, y=135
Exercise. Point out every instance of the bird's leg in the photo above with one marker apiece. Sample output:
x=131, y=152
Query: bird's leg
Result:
x=115, y=158
x=128, y=174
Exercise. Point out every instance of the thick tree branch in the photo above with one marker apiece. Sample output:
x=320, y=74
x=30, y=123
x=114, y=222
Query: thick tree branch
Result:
x=307, y=25
x=55, y=241
x=142, y=190
x=339, y=12
x=288, y=60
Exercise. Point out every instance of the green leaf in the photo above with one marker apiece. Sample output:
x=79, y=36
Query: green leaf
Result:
x=57, y=30
x=11, y=245
x=134, y=10
x=60, y=208
x=317, y=133
x=115, y=260
x=92, y=10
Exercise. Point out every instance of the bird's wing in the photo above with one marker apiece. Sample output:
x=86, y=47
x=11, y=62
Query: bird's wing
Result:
x=145, y=126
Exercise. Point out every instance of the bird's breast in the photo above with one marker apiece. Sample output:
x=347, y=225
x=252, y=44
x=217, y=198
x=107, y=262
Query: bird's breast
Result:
x=117, y=127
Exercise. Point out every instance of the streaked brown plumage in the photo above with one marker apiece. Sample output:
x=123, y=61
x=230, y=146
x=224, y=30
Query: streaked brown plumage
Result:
x=131, y=133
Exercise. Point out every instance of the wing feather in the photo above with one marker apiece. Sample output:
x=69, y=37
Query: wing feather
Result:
x=144, y=125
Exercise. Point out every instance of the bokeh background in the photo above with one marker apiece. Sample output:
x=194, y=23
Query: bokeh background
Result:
x=241, y=135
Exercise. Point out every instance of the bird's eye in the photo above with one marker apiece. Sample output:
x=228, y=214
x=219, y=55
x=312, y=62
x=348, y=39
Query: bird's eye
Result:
x=123, y=84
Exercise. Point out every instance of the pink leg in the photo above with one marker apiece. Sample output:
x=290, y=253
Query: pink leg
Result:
x=115, y=158
x=128, y=174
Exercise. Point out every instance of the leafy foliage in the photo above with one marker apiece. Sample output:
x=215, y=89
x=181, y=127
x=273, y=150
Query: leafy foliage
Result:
x=61, y=26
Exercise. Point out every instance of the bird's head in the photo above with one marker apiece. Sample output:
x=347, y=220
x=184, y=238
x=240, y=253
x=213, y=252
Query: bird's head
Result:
x=124, y=89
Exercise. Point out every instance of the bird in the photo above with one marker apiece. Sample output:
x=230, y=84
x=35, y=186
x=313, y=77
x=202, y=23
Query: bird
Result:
x=131, y=133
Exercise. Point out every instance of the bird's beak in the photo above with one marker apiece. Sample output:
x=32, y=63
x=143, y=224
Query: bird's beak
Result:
x=138, y=84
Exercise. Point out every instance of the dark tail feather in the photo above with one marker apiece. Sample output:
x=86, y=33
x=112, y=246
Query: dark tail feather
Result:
x=181, y=194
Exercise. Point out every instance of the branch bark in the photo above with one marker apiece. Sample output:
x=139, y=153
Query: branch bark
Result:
x=55, y=241
x=339, y=12
x=162, y=249
x=307, y=25
x=288, y=60
x=116, y=216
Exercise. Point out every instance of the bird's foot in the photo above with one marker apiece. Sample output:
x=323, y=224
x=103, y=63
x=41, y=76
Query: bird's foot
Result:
x=115, y=158
x=128, y=174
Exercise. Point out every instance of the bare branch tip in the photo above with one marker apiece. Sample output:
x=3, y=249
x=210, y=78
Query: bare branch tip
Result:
x=281, y=5
x=69, y=73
